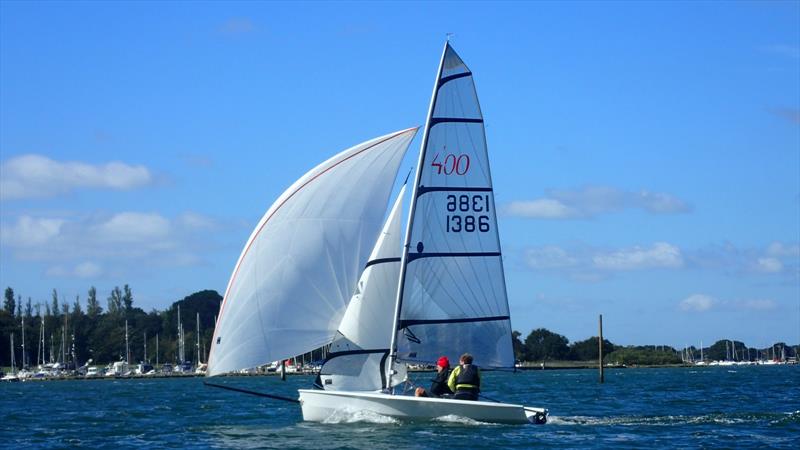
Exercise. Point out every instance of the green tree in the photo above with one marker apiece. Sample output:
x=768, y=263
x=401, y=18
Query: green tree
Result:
x=543, y=344
x=115, y=301
x=28, y=309
x=643, y=355
x=519, y=347
x=587, y=350
x=9, y=304
x=76, y=307
x=127, y=298
x=54, y=305
x=93, y=308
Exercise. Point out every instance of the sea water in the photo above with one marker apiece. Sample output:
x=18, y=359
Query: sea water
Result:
x=721, y=407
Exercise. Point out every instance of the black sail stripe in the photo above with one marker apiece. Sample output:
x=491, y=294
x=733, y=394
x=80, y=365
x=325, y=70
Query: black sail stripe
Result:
x=382, y=261
x=453, y=77
x=425, y=189
x=332, y=355
x=415, y=256
x=408, y=323
x=437, y=120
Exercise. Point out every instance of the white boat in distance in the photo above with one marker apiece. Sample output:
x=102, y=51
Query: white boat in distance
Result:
x=307, y=278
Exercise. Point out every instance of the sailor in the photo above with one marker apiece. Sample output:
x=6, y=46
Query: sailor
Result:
x=465, y=380
x=439, y=387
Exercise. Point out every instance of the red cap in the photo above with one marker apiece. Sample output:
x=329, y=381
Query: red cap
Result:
x=443, y=362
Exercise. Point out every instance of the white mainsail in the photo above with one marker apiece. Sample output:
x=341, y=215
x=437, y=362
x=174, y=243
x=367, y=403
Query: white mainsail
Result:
x=452, y=295
x=359, y=352
x=299, y=268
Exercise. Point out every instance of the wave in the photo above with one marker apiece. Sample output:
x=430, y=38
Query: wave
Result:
x=452, y=418
x=671, y=420
x=346, y=415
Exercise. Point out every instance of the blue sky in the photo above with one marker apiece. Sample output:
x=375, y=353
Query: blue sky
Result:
x=646, y=155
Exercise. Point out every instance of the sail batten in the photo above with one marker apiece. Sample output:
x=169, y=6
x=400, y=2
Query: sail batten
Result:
x=294, y=278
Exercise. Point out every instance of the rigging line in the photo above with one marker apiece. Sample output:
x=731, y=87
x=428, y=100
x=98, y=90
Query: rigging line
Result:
x=258, y=394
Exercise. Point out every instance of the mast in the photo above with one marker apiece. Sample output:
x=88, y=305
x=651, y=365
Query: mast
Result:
x=156, y=349
x=64, y=342
x=127, y=348
x=198, y=339
x=23, y=342
x=412, y=210
x=40, y=349
x=13, y=365
x=145, y=347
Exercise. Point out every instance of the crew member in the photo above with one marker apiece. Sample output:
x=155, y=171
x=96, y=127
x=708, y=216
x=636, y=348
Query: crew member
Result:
x=439, y=387
x=465, y=380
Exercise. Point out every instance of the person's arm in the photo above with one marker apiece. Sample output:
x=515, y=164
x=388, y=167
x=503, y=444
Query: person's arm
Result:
x=451, y=382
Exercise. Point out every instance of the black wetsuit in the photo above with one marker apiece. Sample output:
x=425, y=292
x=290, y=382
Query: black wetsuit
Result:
x=439, y=384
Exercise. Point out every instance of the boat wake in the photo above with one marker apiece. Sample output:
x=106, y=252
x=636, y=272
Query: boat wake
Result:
x=358, y=416
x=452, y=418
x=705, y=419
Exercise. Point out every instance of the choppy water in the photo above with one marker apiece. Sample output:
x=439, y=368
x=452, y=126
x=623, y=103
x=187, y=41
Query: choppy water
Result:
x=635, y=408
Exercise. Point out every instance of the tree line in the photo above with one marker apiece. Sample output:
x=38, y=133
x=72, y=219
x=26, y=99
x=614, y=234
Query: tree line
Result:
x=76, y=331
x=544, y=345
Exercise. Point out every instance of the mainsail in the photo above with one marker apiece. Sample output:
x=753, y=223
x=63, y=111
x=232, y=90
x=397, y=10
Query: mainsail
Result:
x=358, y=354
x=299, y=268
x=452, y=295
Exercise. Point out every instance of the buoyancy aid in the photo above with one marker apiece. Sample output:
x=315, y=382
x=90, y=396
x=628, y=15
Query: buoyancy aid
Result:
x=468, y=378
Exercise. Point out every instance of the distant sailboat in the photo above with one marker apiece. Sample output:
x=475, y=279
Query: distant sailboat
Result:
x=13, y=375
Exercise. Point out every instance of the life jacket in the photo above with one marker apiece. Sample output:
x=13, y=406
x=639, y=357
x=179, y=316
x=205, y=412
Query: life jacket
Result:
x=468, y=379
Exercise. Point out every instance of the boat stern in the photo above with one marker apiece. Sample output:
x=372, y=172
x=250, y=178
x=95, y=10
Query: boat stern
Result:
x=536, y=416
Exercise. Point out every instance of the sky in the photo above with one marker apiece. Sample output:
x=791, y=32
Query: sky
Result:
x=645, y=155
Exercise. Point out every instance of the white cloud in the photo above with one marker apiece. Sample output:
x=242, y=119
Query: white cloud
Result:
x=591, y=201
x=780, y=249
x=550, y=257
x=697, y=302
x=196, y=221
x=702, y=302
x=90, y=246
x=660, y=255
x=543, y=208
x=776, y=258
x=31, y=176
x=30, y=231
x=133, y=227
x=769, y=265
x=82, y=270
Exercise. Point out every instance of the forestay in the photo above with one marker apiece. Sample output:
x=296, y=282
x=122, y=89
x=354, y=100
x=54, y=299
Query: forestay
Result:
x=453, y=294
x=358, y=354
x=299, y=268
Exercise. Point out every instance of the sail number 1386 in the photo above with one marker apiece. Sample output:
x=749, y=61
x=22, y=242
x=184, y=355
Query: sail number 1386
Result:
x=457, y=223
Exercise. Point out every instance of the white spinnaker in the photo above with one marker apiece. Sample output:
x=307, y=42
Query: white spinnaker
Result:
x=299, y=268
x=453, y=290
x=357, y=357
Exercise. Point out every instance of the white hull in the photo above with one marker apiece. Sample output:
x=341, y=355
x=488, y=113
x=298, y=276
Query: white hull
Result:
x=319, y=405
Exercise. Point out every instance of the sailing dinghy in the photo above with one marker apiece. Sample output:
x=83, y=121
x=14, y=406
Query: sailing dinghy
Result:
x=320, y=268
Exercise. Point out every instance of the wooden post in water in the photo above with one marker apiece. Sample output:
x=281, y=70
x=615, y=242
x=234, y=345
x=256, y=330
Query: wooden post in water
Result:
x=600, y=346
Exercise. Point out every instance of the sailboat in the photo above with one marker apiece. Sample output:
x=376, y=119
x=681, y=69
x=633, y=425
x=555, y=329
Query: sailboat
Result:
x=13, y=375
x=322, y=268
